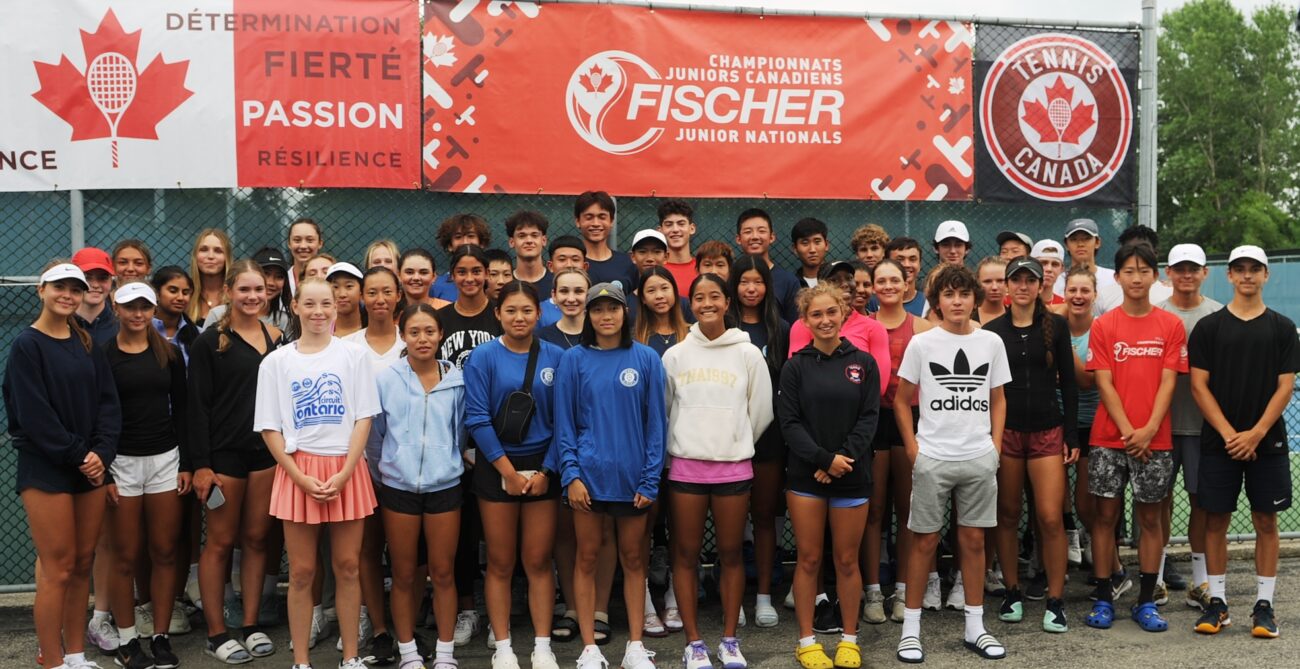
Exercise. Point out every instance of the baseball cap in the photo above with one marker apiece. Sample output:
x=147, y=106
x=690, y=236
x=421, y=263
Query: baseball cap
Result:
x=1008, y=235
x=135, y=290
x=1082, y=225
x=830, y=268
x=62, y=271
x=649, y=235
x=1047, y=248
x=1025, y=264
x=271, y=257
x=951, y=229
x=93, y=258
x=1241, y=252
x=345, y=268
x=1191, y=253
x=606, y=291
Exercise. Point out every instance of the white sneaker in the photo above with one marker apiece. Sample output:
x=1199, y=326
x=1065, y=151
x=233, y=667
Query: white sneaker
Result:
x=591, y=658
x=144, y=620
x=873, y=607
x=740, y=620
x=637, y=657
x=696, y=656
x=993, y=584
x=897, y=605
x=543, y=659
x=789, y=600
x=765, y=615
x=320, y=628
x=672, y=619
x=193, y=594
x=490, y=638
x=729, y=655
x=180, y=622
x=365, y=634
x=352, y=663
x=957, y=596
x=1074, y=551
x=933, y=599
x=505, y=659
x=467, y=625
x=102, y=635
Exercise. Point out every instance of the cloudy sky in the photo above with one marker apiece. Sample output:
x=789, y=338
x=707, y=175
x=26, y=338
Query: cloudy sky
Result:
x=1096, y=10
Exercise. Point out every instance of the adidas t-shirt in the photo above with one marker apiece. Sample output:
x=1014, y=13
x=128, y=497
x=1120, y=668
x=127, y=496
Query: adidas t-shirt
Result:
x=955, y=374
x=315, y=399
x=1135, y=350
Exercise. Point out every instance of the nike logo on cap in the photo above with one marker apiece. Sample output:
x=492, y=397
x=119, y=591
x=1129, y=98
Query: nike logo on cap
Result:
x=1279, y=501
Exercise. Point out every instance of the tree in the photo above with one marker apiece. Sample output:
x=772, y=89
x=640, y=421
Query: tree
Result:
x=1229, y=131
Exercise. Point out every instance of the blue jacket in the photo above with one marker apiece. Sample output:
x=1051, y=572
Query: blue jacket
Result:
x=491, y=374
x=611, y=421
x=418, y=437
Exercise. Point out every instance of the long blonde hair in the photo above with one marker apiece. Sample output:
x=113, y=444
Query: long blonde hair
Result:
x=381, y=244
x=223, y=324
x=193, y=309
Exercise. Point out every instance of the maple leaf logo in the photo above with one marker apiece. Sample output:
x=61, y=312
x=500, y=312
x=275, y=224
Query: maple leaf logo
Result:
x=439, y=50
x=1059, y=121
x=595, y=80
x=113, y=97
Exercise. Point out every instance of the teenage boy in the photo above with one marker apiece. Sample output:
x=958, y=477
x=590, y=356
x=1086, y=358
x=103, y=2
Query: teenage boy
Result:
x=713, y=257
x=1012, y=245
x=868, y=244
x=907, y=252
x=567, y=252
x=453, y=233
x=1083, y=240
x=754, y=236
x=593, y=214
x=808, y=239
x=649, y=249
x=677, y=223
x=1109, y=297
x=526, y=235
x=954, y=451
x=96, y=311
x=1136, y=352
x=499, y=272
x=1244, y=361
x=1186, y=271
x=1048, y=253
x=952, y=242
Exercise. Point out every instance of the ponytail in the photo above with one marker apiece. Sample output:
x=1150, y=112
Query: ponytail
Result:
x=1049, y=327
x=80, y=332
x=163, y=352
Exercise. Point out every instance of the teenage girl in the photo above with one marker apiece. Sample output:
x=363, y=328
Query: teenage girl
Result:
x=569, y=293
x=173, y=288
x=382, y=253
x=518, y=497
x=828, y=408
x=230, y=460
x=719, y=402
x=64, y=418
x=345, y=279
x=991, y=274
x=659, y=319
x=315, y=401
x=421, y=434
x=415, y=268
x=209, y=265
x=305, y=241
x=132, y=261
x=862, y=288
x=150, y=473
x=610, y=422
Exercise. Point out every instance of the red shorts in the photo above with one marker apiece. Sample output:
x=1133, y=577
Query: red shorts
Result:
x=1030, y=445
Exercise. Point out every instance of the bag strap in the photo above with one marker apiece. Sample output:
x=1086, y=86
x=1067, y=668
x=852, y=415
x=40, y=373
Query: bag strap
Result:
x=534, y=352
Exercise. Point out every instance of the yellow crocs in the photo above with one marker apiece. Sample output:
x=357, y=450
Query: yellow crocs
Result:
x=848, y=656
x=814, y=657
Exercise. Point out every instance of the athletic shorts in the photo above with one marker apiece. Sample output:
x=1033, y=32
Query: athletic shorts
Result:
x=1267, y=477
x=38, y=472
x=1187, y=457
x=1110, y=469
x=1033, y=445
x=137, y=475
x=239, y=464
x=835, y=502
x=972, y=484
x=415, y=503
x=1084, y=434
x=487, y=480
x=615, y=509
x=728, y=489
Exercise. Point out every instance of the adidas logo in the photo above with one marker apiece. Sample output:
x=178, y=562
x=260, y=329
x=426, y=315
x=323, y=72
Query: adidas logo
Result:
x=961, y=379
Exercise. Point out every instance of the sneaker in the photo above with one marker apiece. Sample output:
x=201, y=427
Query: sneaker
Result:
x=1215, y=617
x=320, y=629
x=740, y=619
x=1013, y=606
x=163, y=657
x=873, y=607
x=144, y=619
x=1199, y=597
x=102, y=635
x=1161, y=594
x=490, y=639
x=672, y=619
x=352, y=663
x=765, y=615
x=84, y=664
x=789, y=599
x=269, y=610
x=1074, y=548
x=1173, y=579
x=826, y=618
x=729, y=654
x=1263, y=624
x=1119, y=584
x=637, y=657
x=591, y=658
x=193, y=594
x=365, y=632
x=180, y=622
x=1036, y=589
x=933, y=599
x=659, y=566
x=993, y=584
x=654, y=628
x=696, y=656
x=543, y=659
x=383, y=648
x=131, y=655
x=957, y=596
x=467, y=625
x=505, y=659
x=1054, y=617
x=896, y=605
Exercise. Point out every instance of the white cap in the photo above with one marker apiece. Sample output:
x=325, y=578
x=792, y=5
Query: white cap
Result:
x=345, y=267
x=1191, y=253
x=950, y=230
x=643, y=235
x=1248, y=251
x=62, y=271
x=136, y=290
x=1047, y=248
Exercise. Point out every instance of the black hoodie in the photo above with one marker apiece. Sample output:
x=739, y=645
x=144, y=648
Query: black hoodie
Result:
x=828, y=405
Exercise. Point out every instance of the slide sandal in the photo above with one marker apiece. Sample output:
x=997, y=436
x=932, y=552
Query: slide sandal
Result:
x=987, y=647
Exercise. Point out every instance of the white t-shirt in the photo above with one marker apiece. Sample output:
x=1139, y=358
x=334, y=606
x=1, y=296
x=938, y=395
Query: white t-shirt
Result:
x=955, y=374
x=379, y=361
x=1113, y=296
x=315, y=399
x=1105, y=277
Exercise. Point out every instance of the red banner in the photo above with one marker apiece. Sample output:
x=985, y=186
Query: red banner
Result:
x=565, y=98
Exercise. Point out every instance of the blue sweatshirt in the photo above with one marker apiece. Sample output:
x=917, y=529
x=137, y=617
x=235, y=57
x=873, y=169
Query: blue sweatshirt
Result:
x=416, y=440
x=611, y=420
x=491, y=374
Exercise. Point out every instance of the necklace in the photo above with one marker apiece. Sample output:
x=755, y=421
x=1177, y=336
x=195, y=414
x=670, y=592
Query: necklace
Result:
x=666, y=339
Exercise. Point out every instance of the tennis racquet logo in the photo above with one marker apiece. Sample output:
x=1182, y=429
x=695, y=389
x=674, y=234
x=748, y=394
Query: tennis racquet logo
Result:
x=111, y=81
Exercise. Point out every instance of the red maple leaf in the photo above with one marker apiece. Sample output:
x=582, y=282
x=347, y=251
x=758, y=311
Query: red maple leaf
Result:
x=159, y=87
x=1059, y=120
x=595, y=79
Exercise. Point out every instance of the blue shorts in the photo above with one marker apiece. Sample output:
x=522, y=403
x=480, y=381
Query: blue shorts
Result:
x=836, y=502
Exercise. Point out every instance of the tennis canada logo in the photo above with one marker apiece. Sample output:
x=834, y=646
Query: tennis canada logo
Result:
x=113, y=98
x=961, y=380
x=1057, y=116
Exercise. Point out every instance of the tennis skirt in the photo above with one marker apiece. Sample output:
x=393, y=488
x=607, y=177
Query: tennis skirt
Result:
x=291, y=503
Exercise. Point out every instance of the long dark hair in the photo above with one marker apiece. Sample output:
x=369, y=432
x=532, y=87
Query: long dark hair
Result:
x=409, y=312
x=588, y=335
x=778, y=336
x=645, y=318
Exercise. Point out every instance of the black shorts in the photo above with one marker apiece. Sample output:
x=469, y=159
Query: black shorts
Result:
x=415, y=503
x=887, y=434
x=39, y=472
x=1267, y=479
x=715, y=489
x=770, y=446
x=239, y=464
x=615, y=509
x=487, y=480
x=1084, y=433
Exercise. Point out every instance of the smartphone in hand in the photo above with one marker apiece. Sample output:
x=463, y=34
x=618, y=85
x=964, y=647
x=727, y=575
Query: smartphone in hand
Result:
x=216, y=498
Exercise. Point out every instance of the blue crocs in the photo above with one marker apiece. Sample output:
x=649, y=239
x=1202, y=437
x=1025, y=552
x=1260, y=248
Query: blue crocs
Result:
x=1102, y=615
x=1147, y=616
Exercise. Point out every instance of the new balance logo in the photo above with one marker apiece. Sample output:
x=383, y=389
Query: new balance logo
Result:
x=961, y=379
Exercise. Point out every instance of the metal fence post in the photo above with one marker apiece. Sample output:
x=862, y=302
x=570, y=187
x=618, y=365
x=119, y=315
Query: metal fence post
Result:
x=1147, y=118
x=76, y=221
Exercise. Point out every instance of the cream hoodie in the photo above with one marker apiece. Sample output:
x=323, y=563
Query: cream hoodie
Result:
x=719, y=396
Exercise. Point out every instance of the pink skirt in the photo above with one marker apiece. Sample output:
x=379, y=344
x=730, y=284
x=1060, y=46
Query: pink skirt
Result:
x=291, y=503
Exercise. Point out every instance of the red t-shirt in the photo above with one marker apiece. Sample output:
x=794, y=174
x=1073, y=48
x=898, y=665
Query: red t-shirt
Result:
x=683, y=273
x=1135, y=351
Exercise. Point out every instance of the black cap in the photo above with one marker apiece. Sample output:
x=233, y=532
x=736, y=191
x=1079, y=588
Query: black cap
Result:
x=271, y=257
x=830, y=268
x=1027, y=264
x=1008, y=235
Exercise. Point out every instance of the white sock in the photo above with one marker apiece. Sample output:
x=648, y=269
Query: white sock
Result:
x=873, y=587
x=408, y=649
x=541, y=643
x=503, y=646
x=912, y=623
x=1218, y=586
x=974, y=622
x=1199, y=574
x=1264, y=588
x=900, y=589
x=821, y=597
x=649, y=605
x=760, y=600
x=1160, y=575
x=99, y=616
x=444, y=650
x=269, y=583
x=670, y=595
x=849, y=638
x=806, y=641
x=125, y=634
x=74, y=659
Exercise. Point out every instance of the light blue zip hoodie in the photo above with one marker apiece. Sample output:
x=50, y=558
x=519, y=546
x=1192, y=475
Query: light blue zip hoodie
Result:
x=418, y=437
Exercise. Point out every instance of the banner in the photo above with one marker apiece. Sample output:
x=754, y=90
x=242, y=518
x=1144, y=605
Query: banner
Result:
x=1056, y=116
x=521, y=98
x=150, y=94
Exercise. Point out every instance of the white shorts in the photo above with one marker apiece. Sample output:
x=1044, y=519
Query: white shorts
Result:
x=137, y=475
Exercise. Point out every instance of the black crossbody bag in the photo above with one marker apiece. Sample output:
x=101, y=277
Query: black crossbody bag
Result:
x=516, y=414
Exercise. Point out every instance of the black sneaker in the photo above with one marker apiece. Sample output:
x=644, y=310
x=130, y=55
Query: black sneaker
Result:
x=1012, y=609
x=1037, y=588
x=131, y=655
x=1264, y=625
x=826, y=618
x=383, y=649
x=1215, y=617
x=163, y=657
x=1174, y=580
x=1054, y=617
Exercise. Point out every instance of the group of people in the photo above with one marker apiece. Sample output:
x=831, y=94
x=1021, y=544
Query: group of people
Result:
x=564, y=406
